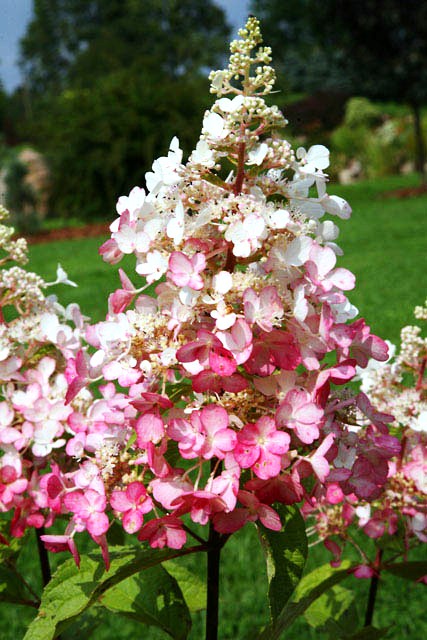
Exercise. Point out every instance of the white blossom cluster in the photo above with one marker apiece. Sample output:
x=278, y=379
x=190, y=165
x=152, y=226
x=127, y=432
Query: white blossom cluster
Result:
x=398, y=386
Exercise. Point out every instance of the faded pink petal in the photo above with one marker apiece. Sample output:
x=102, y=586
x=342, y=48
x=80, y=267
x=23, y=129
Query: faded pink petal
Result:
x=149, y=428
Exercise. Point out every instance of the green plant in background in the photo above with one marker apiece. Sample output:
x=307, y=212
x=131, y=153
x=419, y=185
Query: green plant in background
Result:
x=378, y=50
x=382, y=143
x=20, y=197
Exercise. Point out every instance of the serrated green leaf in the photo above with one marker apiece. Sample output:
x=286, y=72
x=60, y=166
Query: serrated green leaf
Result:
x=316, y=577
x=369, y=633
x=192, y=586
x=285, y=552
x=72, y=591
x=412, y=570
x=86, y=624
x=308, y=590
x=154, y=598
x=329, y=606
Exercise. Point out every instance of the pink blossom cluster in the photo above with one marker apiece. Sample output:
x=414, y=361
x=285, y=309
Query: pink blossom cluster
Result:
x=399, y=510
x=37, y=336
x=225, y=393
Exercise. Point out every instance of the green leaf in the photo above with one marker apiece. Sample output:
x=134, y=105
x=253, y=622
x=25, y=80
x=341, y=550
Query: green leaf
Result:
x=392, y=543
x=116, y=535
x=12, y=589
x=179, y=390
x=413, y=570
x=173, y=454
x=154, y=598
x=213, y=178
x=369, y=633
x=12, y=586
x=315, y=578
x=86, y=624
x=192, y=586
x=309, y=589
x=285, y=552
x=72, y=591
x=329, y=606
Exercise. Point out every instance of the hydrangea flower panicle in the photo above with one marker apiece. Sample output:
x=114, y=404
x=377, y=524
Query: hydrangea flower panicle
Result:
x=229, y=383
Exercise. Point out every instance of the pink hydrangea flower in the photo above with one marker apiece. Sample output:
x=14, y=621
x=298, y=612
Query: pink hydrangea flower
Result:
x=134, y=502
x=299, y=412
x=184, y=271
x=89, y=510
x=260, y=447
x=164, y=532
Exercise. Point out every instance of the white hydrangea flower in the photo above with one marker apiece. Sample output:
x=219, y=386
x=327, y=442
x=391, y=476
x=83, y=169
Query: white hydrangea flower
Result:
x=130, y=239
x=154, y=267
x=203, y=155
x=245, y=235
x=276, y=218
x=420, y=422
x=297, y=252
x=317, y=157
x=228, y=105
x=175, y=226
x=165, y=169
x=224, y=318
x=257, y=154
x=136, y=204
x=222, y=282
x=215, y=126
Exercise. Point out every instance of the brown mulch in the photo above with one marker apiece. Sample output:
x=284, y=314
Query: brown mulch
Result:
x=406, y=192
x=69, y=233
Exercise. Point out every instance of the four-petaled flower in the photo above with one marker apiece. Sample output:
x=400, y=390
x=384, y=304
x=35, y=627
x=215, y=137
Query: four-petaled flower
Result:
x=134, y=502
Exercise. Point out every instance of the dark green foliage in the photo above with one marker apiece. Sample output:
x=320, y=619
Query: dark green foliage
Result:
x=101, y=141
x=74, y=42
x=110, y=83
x=20, y=198
x=285, y=554
x=72, y=591
x=375, y=48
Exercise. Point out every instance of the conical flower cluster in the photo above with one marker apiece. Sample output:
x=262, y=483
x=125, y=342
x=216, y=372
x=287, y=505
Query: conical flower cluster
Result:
x=232, y=377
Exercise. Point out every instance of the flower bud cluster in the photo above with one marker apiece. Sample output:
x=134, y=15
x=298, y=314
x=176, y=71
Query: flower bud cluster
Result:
x=15, y=249
x=241, y=61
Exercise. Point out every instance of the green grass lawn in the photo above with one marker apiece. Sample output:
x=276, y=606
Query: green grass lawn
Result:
x=385, y=246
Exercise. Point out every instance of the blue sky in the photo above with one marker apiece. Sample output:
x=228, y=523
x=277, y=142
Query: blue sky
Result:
x=15, y=15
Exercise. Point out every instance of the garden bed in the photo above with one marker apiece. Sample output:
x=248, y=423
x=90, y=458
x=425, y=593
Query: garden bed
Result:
x=69, y=233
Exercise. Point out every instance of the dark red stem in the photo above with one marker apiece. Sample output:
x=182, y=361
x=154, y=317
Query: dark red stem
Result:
x=237, y=187
x=419, y=385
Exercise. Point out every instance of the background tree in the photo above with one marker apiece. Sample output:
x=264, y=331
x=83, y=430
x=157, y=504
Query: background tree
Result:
x=378, y=48
x=102, y=80
x=71, y=42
